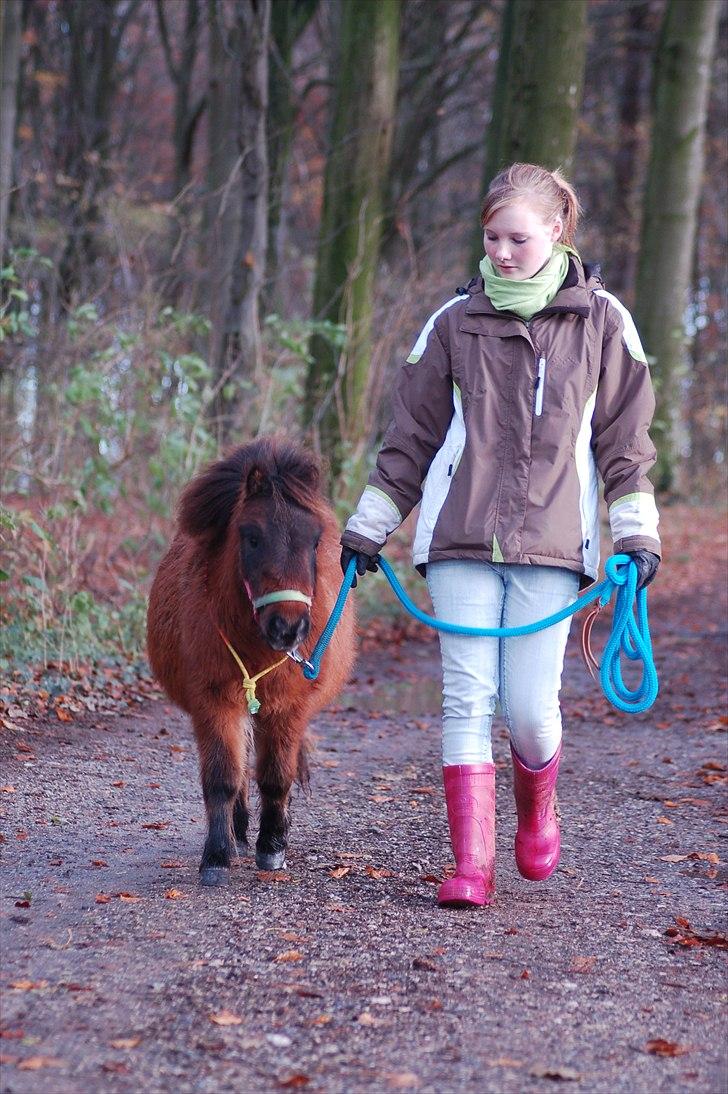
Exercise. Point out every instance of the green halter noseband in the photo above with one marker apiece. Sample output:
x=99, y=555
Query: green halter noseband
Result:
x=281, y=594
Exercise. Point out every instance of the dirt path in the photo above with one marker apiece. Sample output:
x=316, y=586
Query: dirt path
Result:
x=342, y=974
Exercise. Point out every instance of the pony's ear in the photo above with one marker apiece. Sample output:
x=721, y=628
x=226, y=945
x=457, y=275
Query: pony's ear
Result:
x=258, y=483
x=207, y=502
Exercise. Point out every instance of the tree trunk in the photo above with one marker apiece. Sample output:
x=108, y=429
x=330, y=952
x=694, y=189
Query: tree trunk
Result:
x=538, y=87
x=685, y=51
x=11, y=12
x=237, y=183
x=187, y=114
x=356, y=171
x=289, y=18
x=630, y=153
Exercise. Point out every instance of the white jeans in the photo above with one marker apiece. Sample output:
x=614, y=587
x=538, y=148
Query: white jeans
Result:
x=525, y=672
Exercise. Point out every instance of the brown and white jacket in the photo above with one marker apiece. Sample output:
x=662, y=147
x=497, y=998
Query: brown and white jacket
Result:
x=500, y=426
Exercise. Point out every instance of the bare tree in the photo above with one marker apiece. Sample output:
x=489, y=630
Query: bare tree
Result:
x=235, y=232
x=351, y=224
x=10, y=36
x=684, y=56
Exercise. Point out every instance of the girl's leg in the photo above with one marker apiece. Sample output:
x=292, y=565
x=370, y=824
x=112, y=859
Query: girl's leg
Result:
x=531, y=666
x=470, y=594
x=531, y=669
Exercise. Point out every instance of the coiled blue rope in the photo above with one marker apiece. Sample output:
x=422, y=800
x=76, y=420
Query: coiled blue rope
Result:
x=630, y=633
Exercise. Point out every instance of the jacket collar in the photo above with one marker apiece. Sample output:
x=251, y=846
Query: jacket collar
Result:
x=572, y=297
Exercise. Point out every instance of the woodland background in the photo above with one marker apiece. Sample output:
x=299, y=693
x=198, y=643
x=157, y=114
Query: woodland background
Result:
x=226, y=217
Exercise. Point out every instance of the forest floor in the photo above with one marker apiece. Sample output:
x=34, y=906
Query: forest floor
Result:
x=341, y=973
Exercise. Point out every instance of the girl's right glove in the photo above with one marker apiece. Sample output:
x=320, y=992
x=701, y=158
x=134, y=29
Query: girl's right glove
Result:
x=647, y=564
x=364, y=562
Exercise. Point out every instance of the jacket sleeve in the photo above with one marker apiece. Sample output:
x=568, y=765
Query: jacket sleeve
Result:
x=422, y=408
x=624, y=452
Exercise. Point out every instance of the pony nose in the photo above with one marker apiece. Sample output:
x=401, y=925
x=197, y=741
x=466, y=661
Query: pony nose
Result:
x=285, y=634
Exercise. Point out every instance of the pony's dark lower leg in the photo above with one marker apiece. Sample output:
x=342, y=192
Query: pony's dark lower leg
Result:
x=221, y=770
x=241, y=817
x=276, y=770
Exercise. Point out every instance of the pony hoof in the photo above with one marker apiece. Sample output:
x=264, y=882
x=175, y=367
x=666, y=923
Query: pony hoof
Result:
x=275, y=860
x=215, y=876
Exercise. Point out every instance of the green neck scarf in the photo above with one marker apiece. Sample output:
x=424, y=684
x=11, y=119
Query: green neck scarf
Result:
x=525, y=298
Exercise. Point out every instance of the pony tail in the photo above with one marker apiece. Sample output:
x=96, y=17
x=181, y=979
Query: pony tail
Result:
x=208, y=501
x=570, y=207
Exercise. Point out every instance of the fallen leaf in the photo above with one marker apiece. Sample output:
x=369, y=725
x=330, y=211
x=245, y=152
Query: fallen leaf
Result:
x=157, y=825
x=660, y=1047
x=431, y=878
x=129, y=898
x=672, y=858
x=12, y=1034
x=7, y=789
x=371, y=871
x=103, y=898
x=505, y=1061
x=273, y=875
x=63, y=715
x=174, y=894
x=402, y=1080
x=568, y=1074
x=583, y=964
x=125, y=1042
x=226, y=1018
x=28, y=985
x=295, y=1080
x=366, y=1018
x=98, y=862
x=35, y=1063
x=173, y=864
x=425, y=964
x=664, y=820
x=289, y=955
x=22, y=903
x=526, y=974
x=119, y=782
x=339, y=871
x=114, y=1067
x=320, y=1020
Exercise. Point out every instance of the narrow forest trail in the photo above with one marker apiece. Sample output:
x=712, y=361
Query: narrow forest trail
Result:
x=341, y=974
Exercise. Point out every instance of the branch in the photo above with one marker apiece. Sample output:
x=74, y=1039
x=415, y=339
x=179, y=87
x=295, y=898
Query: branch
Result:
x=164, y=35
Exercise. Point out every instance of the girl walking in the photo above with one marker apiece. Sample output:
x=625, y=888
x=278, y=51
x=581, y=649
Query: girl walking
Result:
x=519, y=391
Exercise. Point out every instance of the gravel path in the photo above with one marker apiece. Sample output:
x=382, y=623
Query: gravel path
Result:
x=341, y=974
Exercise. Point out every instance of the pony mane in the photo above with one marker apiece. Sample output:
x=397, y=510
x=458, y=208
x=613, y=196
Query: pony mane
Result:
x=291, y=473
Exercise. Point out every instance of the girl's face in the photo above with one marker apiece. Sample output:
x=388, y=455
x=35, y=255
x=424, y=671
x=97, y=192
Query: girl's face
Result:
x=518, y=241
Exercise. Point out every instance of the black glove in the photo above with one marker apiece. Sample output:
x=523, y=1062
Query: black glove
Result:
x=364, y=562
x=647, y=564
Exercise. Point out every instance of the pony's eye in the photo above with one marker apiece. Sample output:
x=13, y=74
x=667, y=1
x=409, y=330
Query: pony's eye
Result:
x=250, y=537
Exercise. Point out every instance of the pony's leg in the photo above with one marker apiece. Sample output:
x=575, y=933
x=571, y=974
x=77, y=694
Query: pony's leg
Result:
x=241, y=816
x=221, y=745
x=277, y=765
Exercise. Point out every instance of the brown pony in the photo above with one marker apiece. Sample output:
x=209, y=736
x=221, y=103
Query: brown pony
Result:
x=251, y=524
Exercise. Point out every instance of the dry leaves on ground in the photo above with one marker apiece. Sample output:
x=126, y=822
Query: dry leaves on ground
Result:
x=226, y=1018
x=660, y=1047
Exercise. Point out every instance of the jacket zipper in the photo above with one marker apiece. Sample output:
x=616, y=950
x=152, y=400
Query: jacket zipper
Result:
x=540, y=380
x=541, y=374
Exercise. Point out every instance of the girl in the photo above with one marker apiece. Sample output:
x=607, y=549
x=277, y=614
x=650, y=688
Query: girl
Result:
x=517, y=392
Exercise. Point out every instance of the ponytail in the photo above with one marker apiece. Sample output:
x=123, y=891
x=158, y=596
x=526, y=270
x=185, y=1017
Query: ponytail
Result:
x=547, y=190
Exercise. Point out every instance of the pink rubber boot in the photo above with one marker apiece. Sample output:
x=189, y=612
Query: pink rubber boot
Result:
x=470, y=797
x=538, y=838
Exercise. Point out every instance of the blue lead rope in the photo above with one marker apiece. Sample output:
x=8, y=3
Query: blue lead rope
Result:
x=630, y=631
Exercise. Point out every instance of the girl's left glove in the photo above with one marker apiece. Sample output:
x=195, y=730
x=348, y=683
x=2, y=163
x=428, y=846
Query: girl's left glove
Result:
x=364, y=562
x=647, y=564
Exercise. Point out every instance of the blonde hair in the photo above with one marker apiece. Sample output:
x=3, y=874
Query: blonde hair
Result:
x=547, y=190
